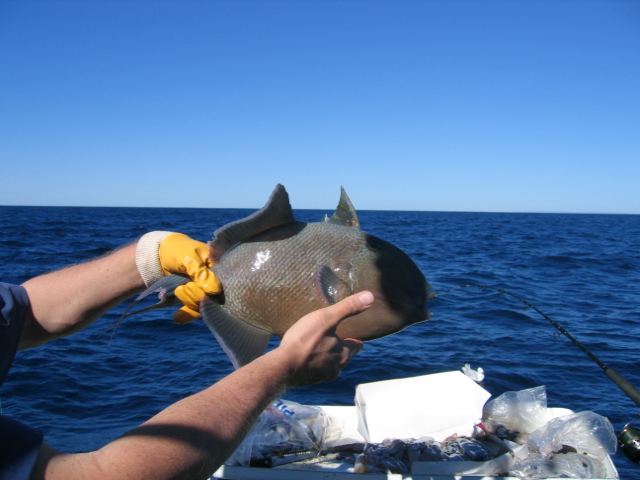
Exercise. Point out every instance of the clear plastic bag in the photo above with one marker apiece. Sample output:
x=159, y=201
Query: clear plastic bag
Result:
x=572, y=446
x=565, y=465
x=586, y=432
x=522, y=411
x=284, y=428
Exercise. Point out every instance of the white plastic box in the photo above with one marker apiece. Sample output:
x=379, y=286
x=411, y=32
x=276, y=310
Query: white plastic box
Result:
x=437, y=406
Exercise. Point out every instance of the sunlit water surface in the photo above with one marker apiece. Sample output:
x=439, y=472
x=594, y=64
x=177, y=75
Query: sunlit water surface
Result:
x=582, y=270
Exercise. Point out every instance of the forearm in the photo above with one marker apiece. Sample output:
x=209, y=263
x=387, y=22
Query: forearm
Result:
x=189, y=439
x=68, y=300
x=192, y=438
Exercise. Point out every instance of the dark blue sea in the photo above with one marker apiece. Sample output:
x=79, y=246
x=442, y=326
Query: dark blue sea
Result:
x=581, y=270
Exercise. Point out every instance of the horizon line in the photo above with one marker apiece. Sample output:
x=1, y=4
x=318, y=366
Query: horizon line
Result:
x=324, y=209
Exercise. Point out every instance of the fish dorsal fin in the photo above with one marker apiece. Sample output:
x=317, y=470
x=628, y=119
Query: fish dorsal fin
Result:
x=239, y=340
x=333, y=288
x=345, y=214
x=276, y=212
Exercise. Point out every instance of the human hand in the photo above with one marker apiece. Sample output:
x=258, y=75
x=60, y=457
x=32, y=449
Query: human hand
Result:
x=161, y=253
x=179, y=253
x=311, y=347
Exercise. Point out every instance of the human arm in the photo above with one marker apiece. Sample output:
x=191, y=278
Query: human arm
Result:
x=192, y=438
x=66, y=301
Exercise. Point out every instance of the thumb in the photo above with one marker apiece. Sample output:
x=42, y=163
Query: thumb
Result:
x=348, y=307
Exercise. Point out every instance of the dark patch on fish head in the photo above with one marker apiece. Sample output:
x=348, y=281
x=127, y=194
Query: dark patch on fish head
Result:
x=401, y=291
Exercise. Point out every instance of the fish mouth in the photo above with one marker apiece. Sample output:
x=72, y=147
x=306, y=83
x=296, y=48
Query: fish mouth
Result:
x=431, y=293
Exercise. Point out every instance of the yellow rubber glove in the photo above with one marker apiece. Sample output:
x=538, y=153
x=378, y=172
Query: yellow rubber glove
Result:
x=181, y=254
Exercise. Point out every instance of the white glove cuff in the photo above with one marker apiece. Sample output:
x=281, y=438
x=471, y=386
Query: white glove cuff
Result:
x=148, y=258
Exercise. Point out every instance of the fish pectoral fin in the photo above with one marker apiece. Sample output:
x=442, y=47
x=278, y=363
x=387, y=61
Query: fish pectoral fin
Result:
x=239, y=340
x=332, y=287
x=345, y=214
x=166, y=286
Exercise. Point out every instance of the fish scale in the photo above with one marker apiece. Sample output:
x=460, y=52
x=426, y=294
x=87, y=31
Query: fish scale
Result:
x=276, y=280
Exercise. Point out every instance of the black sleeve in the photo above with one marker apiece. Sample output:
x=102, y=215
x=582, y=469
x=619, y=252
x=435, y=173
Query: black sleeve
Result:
x=19, y=443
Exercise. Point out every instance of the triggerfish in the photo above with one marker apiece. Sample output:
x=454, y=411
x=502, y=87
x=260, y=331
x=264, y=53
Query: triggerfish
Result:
x=274, y=270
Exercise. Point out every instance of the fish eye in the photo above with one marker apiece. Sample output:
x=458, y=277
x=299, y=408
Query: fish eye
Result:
x=374, y=244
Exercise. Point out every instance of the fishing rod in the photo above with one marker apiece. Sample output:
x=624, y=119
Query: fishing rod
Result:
x=630, y=436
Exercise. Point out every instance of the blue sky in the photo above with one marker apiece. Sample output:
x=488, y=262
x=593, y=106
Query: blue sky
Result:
x=514, y=106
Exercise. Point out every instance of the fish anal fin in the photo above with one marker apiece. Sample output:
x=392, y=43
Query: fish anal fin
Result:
x=239, y=340
x=333, y=288
x=345, y=214
x=276, y=212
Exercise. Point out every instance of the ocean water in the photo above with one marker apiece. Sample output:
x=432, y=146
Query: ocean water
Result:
x=581, y=270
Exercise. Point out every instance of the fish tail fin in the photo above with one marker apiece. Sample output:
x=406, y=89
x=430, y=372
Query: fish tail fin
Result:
x=166, y=286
